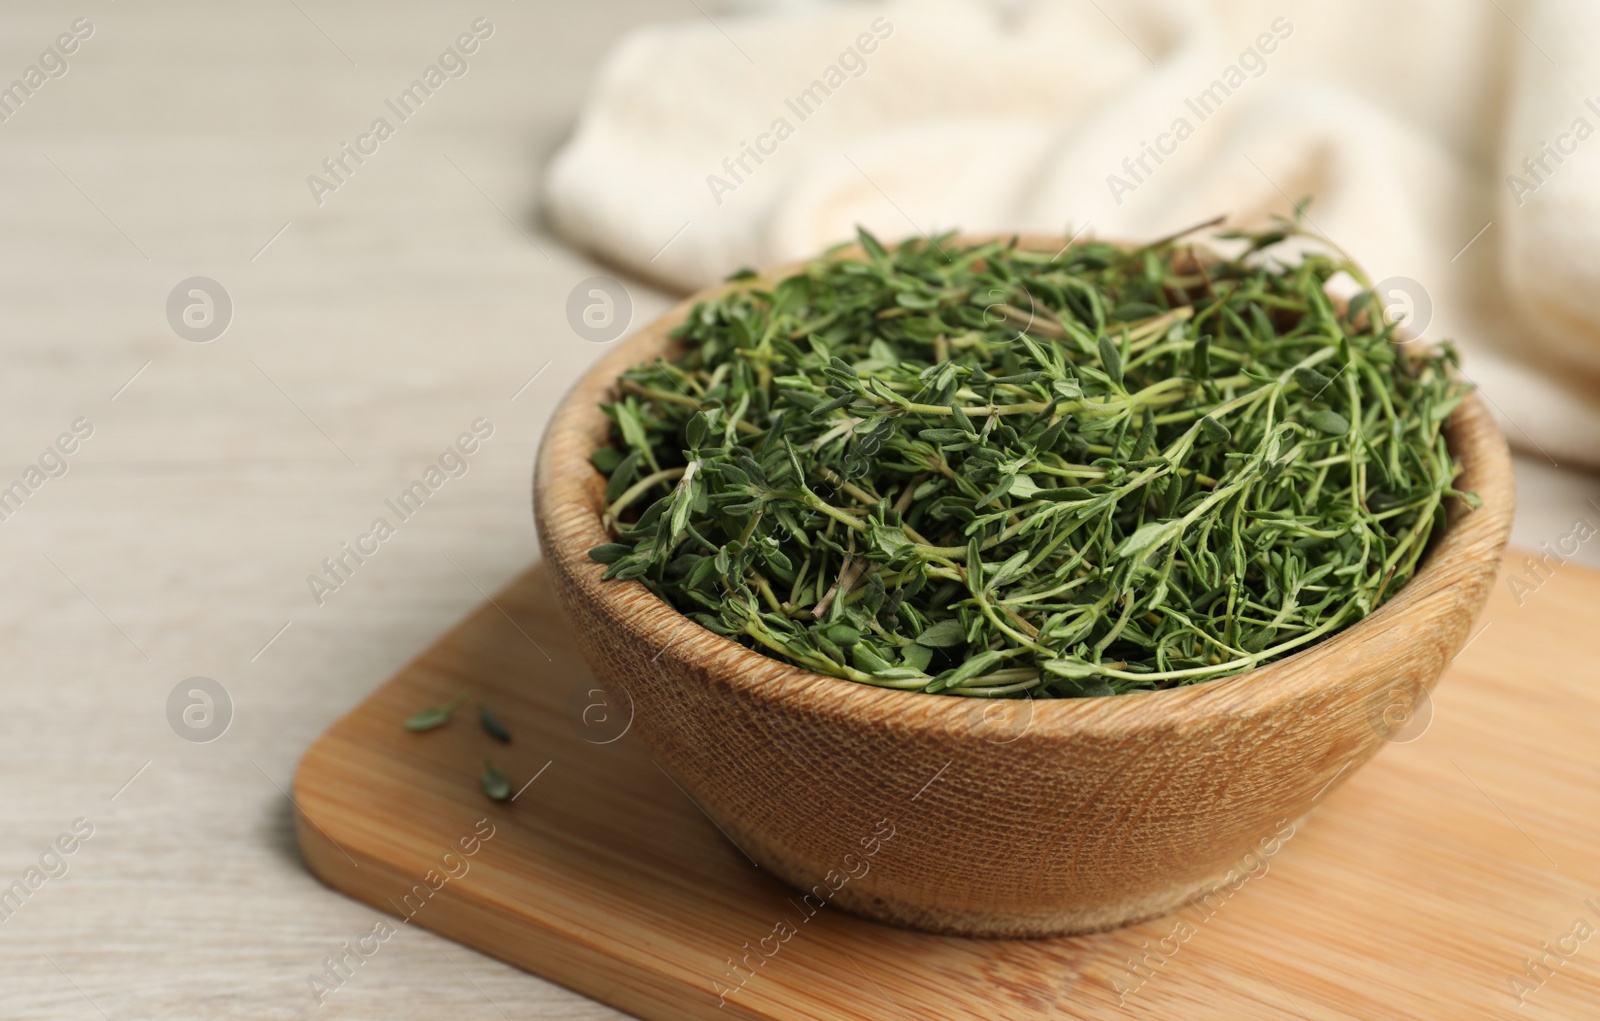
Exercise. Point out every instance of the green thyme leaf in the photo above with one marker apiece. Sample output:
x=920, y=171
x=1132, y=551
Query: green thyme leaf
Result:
x=435, y=716
x=1213, y=430
x=1311, y=381
x=494, y=782
x=1200, y=360
x=492, y=726
x=1110, y=358
x=606, y=459
x=943, y=635
x=1330, y=422
x=610, y=552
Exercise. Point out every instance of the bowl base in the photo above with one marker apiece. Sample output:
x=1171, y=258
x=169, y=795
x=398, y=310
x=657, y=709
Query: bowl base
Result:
x=1041, y=922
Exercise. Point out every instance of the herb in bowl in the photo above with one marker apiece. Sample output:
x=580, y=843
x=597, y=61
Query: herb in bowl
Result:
x=986, y=471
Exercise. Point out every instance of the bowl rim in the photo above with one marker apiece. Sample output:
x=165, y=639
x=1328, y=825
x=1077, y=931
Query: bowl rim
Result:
x=568, y=492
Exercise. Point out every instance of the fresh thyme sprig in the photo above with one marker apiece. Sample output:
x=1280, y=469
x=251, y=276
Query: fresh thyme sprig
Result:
x=986, y=471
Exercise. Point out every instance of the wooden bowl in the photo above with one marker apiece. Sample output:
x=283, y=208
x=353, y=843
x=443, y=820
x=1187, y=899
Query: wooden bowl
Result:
x=1002, y=817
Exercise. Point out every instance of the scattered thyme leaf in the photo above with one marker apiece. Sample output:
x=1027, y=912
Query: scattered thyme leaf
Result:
x=435, y=716
x=494, y=782
x=492, y=726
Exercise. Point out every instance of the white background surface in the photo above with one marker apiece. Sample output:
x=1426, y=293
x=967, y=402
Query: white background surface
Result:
x=418, y=298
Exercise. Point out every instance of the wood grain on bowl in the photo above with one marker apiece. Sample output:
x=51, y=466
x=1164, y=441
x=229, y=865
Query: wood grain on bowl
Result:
x=1053, y=816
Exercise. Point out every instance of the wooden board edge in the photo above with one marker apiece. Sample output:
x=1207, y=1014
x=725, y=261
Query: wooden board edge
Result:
x=456, y=912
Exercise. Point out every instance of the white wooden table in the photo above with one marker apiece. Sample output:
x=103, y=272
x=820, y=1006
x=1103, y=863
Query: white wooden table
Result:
x=366, y=334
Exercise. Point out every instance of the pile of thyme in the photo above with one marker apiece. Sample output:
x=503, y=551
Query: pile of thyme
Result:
x=985, y=471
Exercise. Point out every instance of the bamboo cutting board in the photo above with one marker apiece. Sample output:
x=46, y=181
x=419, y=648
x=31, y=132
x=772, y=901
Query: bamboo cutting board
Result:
x=1455, y=876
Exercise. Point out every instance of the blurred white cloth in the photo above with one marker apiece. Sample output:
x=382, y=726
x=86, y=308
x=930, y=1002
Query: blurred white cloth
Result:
x=1451, y=144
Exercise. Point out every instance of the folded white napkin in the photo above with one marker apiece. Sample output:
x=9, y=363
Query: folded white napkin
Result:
x=1450, y=147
